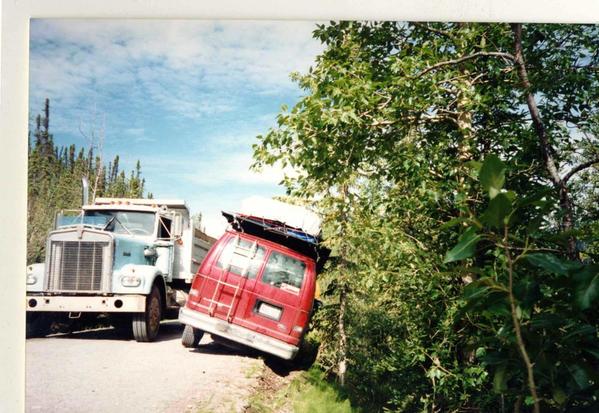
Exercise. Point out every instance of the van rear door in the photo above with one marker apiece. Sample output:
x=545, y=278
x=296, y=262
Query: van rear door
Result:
x=283, y=296
x=230, y=280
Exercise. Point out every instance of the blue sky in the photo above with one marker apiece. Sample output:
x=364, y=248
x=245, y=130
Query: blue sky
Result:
x=187, y=98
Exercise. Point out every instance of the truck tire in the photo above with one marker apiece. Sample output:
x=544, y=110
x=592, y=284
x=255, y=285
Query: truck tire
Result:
x=146, y=325
x=37, y=325
x=191, y=336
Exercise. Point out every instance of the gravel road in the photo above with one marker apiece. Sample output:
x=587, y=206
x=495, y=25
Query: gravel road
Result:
x=100, y=371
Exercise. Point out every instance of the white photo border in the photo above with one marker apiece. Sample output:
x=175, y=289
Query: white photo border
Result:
x=14, y=58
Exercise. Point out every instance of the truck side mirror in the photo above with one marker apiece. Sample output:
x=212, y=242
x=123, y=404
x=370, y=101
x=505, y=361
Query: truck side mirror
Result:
x=177, y=225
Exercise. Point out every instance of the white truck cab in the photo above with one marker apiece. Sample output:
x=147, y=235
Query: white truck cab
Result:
x=131, y=258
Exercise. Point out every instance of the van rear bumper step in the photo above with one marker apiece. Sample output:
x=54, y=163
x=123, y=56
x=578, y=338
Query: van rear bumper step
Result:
x=237, y=333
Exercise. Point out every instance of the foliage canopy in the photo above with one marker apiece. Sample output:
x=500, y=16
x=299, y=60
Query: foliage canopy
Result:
x=405, y=139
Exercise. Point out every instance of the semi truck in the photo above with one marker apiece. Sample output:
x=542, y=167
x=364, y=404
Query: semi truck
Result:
x=132, y=260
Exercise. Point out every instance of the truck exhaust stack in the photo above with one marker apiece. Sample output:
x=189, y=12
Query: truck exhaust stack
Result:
x=85, y=191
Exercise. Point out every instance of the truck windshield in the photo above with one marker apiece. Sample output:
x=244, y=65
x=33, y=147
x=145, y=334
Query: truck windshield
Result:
x=121, y=222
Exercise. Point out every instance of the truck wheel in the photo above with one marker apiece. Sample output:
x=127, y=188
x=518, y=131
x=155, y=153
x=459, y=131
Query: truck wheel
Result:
x=37, y=325
x=145, y=325
x=191, y=336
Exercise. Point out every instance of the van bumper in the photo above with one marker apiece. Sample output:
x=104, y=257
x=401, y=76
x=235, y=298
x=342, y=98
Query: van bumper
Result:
x=132, y=303
x=237, y=333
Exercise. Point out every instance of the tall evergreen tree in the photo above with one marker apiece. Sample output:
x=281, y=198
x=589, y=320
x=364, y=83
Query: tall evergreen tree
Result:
x=54, y=181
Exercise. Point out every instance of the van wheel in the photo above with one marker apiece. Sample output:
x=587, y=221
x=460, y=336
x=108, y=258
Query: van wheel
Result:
x=145, y=325
x=191, y=336
x=37, y=325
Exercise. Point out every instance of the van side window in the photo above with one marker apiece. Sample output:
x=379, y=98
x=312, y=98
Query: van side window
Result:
x=236, y=255
x=284, y=272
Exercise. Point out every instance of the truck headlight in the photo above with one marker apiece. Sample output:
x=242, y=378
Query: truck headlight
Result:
x=130, y=281
x=31, y=279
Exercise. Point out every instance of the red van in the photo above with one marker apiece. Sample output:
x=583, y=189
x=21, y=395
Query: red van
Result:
x=255, y=287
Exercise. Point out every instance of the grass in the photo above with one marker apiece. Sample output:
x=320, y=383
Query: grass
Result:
x=262, y=403
x=253, y=370
x=311, y=392
x=307, y=392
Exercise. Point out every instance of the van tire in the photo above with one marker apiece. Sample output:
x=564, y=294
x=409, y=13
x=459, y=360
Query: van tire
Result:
x=191, y=336
x=146, y=325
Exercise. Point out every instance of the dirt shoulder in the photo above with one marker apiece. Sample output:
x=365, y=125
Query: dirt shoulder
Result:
x=271, y=393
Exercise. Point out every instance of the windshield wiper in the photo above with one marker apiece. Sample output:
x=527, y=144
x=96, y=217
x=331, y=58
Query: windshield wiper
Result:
x=108, y=223
x=114, y=218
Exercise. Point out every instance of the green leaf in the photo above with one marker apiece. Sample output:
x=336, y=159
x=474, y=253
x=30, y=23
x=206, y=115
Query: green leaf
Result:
x=588, y=293
x=552, y=263
x=580, y=332
x=453, y=222
x=475, y=165
x=492, y=175
x=547, y=320
x=534, y=197
x=498, y=211
x=559, y=395
x=465, y=247
x=494, y=358
x=587, y=288
x=593, y=351
x=580, y=376
x=500, y=379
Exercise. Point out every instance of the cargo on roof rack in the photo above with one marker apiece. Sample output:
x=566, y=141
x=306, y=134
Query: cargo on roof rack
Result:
x=281, y=233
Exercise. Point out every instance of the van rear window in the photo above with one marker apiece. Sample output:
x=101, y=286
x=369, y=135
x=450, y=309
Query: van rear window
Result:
x=284, y=272
x=239, y=254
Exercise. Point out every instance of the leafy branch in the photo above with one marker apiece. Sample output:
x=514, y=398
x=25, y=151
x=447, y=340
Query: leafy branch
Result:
x=496, y=224
x=476, y=55
x=516, y=322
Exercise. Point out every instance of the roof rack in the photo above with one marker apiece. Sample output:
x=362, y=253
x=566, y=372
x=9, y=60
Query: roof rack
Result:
x=281, y=233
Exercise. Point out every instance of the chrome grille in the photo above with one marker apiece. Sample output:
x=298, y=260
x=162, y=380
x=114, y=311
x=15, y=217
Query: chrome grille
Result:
x=77, y=265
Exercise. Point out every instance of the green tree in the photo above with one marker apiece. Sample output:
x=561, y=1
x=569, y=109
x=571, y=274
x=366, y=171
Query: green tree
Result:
x=54, y=182
x=394, y=120
x=535, y=306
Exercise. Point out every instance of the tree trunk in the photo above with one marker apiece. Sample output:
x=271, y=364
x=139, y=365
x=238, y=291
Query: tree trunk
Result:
x=567, y=206
x=547, y=150
x=342, y=366
x=342, y=360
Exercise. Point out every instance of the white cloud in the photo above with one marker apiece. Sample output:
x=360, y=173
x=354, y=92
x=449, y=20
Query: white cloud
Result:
x=138, y=134
x=191, y=68
x=183, y=88
x=230, y=168
x=216, y=162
